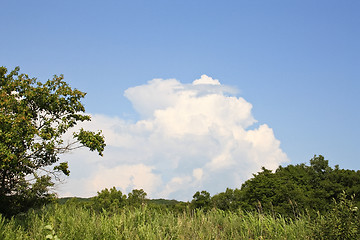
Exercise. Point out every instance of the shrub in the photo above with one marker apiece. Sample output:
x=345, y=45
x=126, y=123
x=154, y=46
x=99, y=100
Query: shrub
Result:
x=341, y=222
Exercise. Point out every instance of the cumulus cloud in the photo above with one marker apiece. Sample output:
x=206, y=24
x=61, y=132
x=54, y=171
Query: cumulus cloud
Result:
x=206, y=80
x=190, y=137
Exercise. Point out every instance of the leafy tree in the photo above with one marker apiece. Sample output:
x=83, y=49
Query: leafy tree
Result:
x=297, y=188
x=108, y=200
x=228, y=200
x=34, y=116
x=286, y=191
x=320, y=165
x=345, y=180
x=341, y=222
x=201, y=200
x=137, y=197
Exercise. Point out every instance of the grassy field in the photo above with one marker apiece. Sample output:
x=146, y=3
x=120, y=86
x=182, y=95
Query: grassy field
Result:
x=77, y=220
x=74, y=222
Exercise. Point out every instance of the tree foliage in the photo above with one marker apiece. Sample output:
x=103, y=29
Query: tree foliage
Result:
x=34, y=116
x=297, y=188
x=342, y=221
x=289, y=191
x=201, y=200
x=111, y=200
x=228, y=200
x=108, y=200
x=137, y=197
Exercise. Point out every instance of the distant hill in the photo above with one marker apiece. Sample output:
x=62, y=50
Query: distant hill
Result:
x=159, y=201
x=162, y=201
x=65, y=199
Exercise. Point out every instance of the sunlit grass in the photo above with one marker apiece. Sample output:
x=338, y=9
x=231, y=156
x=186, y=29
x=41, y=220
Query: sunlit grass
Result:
x=74, y=222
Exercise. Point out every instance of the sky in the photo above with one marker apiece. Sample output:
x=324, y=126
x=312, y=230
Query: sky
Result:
x=196, y=95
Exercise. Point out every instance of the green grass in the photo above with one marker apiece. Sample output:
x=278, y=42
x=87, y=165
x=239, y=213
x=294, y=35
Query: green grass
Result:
x=74, y=222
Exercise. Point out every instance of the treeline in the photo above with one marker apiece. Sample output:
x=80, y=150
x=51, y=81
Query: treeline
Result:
x=112, y=200
x=289, y=191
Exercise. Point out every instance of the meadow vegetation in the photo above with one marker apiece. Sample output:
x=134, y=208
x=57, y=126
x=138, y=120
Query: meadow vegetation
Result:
x=71, y=221
x=77, y=220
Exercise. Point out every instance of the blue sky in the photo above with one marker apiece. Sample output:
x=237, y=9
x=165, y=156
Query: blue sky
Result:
x=296, y=62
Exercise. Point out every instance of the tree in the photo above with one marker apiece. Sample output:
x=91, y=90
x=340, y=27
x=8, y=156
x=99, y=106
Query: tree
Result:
x=201, y=200
x=342, y=221
x=320, y=165
x=137, y=197
x=34, y=116
x=108, y=200
x=297, y=188
x=228, y=200
x=287, y=191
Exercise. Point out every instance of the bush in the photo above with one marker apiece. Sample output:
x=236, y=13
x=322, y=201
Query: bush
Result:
x=341, y=222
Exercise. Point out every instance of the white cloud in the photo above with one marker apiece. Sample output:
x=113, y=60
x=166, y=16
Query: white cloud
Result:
x=191, y=137
x=156, y=94
x=198, y=173
x=206, y=80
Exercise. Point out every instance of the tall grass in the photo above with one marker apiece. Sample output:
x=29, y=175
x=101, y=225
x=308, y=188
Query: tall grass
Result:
x=74, y=222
